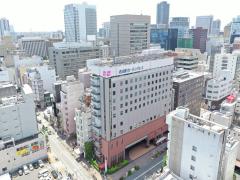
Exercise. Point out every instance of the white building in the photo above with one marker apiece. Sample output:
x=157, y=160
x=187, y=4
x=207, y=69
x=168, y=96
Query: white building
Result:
x=80, y=21
x=70, y=94
x=17, y=114
x=47, y=73
x=83, y=119
x=218, y=88
x=224, y=62
x=37, y=86
x=195, y=143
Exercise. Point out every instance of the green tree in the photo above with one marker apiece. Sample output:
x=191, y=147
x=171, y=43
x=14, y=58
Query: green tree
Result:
x=89, y=150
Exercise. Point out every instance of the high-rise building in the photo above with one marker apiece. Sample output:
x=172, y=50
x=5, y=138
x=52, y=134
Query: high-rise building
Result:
x=80, y=21
x=216, y=27
x=35, y=46
x=182, y=24
x=129, y=34
x=165, y=37
x=70, y=94
x=199, y=36
x=172, y=39
x=68, y=58
x=227, y=31
x=105, y=30
x=83, y=119
x=235, y=29
x=163, y=13
x=188, y=88
x=121, y=89
x=195, y=142
x=4, y=27
x=205, y=22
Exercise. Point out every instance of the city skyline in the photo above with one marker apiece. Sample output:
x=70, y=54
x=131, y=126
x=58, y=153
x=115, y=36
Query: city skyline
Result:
x=27, y=15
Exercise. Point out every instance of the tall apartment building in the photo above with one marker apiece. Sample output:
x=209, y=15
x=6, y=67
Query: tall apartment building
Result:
x=68, y=58
x=195, y=143
x=225, y=61
x=182, y=24
x=163, y=13
x=129, y=34
x=205, y=22
x=199, y=36
x=70, y=94
x=4, y=27
x=130, y=97
x=83, y=119
x=35, y=46
x=188, y=88
x=216, y=27
x=80, y=21
x=20, y=142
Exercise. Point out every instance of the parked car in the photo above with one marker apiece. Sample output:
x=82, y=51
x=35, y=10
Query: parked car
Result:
x=40, y=162
x=25, y=170
x=54, y=174
x=20, y=172
x=35, y=165
x=43, y=173
x=78, y=159
x=30, y=166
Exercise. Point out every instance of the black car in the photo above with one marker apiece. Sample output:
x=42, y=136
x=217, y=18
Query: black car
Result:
x=35, y=165
x=54, y=174
x=78, y=159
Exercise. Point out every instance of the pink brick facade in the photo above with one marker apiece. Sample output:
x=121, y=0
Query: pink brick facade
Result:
x=114, y=150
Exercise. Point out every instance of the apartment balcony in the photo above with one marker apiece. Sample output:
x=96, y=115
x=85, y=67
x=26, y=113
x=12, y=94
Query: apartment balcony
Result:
x=96, y=98
x=95, y=91
x=96, y=106
x=96, y=113
x=97, y=122
x=96, y=131
x=95, y=82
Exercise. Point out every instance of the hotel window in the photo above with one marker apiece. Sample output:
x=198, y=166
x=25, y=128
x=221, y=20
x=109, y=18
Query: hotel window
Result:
x=192, y=167
x=193, y=158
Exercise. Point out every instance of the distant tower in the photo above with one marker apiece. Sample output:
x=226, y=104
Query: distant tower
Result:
x=163, y=13
x=80, y=21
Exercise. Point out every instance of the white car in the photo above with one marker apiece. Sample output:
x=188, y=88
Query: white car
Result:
x=25, y=170
x=20, y=172
x=40, y=162
x=30, y=167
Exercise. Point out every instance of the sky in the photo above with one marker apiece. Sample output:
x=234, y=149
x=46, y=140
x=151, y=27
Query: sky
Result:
x=47, y=15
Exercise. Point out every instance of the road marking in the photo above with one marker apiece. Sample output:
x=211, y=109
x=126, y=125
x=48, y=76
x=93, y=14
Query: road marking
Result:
x=148, y=170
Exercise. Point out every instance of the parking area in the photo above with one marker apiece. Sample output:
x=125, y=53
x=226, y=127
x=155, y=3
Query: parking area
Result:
x=34, y=173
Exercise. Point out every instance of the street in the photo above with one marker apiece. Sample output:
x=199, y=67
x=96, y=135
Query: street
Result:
x=63, y=154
